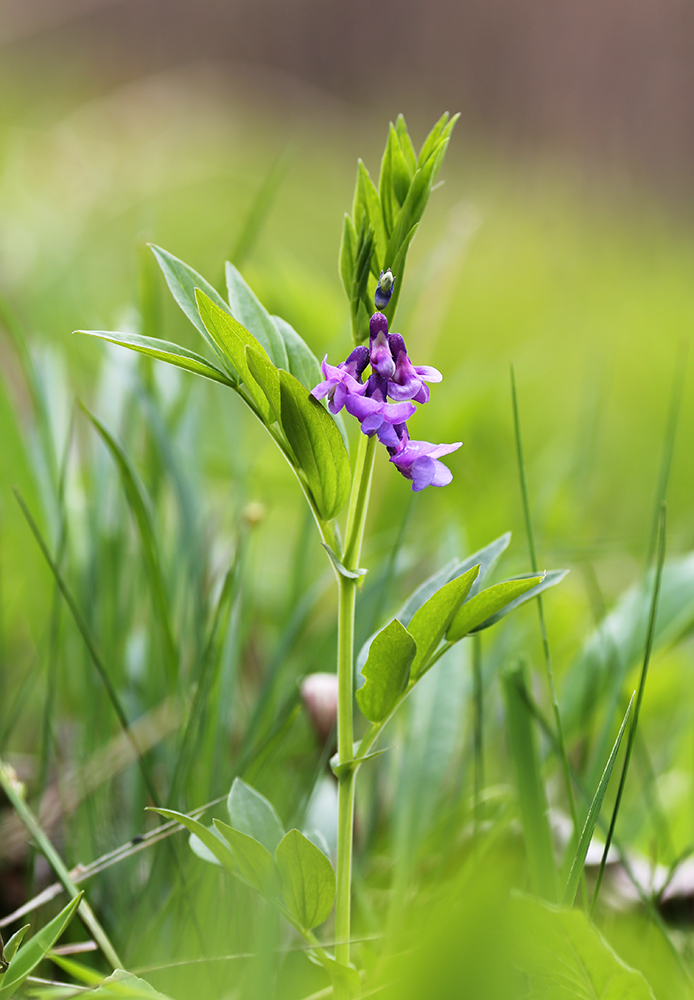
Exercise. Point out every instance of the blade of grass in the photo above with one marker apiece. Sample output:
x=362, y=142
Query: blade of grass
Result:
x=531, y=790
x=94, y=654
x=139, y=505
x=593, y=814
x=540, y=611
x=668, y=446
x=58, y=865
x=639, y=699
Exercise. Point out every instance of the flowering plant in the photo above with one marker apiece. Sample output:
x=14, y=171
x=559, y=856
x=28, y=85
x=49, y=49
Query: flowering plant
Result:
x=268, y=364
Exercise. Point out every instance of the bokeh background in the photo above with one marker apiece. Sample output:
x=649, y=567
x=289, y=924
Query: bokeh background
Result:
x=561, y=241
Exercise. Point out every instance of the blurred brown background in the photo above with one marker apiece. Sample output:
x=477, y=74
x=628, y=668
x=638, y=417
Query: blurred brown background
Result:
x=612, y=79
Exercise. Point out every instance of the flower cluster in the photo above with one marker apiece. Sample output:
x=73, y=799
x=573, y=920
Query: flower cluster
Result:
x=394, y=377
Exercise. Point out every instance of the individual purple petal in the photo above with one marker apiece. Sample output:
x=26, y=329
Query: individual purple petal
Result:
x=428, y=374
x=387, y=434
x=442, y=476
x=380, y=355
x=372, y=422
x=362, y=406
x=398, y=413
x=423, y=394
x=423, y=472
x=378, y=324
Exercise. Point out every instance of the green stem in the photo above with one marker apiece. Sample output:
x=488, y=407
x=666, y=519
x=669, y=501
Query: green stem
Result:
x=59, y=867
x=358, y=505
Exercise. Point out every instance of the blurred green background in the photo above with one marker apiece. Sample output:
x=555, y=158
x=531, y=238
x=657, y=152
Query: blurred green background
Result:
x=561, y=242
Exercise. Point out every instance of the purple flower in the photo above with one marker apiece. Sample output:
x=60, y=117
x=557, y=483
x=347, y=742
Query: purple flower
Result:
x=340, y=382
x=407, y=380
x=380, y=354
x=418, y=461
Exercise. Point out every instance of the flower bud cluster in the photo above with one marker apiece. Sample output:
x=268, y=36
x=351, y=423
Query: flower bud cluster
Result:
x=393, y=377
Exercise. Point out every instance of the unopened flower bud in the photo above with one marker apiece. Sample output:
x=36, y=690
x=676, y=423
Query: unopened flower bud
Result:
x=384, y=289
x=319, y=695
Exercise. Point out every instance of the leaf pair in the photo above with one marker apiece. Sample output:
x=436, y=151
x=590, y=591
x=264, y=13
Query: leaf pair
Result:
x=286, y=868
x=384, y=220
x=399, y=655
x=263, y=359
x=444, y=609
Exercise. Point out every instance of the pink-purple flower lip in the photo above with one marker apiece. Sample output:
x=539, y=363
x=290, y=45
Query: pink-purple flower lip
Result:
x=419, y=461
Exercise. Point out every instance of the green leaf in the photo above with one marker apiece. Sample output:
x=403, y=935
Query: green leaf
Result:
x=367, y=206
x=10, y=949
x=308, y=880
x=254, y=862
x=592, y=817
x=387, y=671
x=266, y=376
x=361, y=304
x=182, y=281
x=232, y=339
x=475, y=613
x=394, y=182
x=28, y=957
x=249, y=311
x=441, y=130
x=485, y=558
x=566, y=957
x=303, y=364
x=212, y=843
x=318, y=446
x=406, y=146
x=252, y=814
x=162, y=350
x=348, y=255
x=139, y=504
x=550, y=579
x=430, y=623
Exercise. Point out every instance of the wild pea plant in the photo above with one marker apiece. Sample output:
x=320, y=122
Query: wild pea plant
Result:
x=302, y=406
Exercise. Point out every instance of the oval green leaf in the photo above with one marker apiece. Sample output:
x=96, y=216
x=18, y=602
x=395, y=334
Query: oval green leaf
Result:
x=484, y=609
x=317, y=444
x=308, y=880
x=387, y=671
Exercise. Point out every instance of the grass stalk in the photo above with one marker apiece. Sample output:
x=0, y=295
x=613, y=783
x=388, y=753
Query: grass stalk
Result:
x=566, y=768
x=639, y=699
